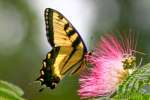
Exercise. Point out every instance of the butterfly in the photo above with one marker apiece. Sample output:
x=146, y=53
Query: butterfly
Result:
x=68, y=50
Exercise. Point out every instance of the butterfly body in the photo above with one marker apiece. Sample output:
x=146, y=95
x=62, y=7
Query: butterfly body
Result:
x=68, y=49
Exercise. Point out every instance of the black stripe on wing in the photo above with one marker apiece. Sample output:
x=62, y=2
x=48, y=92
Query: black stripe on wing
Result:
x=65, y=69
x=50, y=28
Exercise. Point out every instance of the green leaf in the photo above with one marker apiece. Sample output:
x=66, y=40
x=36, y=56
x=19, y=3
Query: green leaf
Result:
x=131, y=96
x=9, y=91
x=136, y=86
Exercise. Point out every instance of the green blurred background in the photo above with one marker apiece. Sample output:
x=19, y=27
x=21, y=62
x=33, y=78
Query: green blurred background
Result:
x=23, y=42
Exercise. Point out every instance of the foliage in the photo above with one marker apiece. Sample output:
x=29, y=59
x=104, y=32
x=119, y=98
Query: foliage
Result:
x=9, y=91
x=134, y=87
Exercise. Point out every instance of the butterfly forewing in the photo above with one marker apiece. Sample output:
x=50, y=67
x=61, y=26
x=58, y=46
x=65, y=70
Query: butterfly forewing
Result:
x=59, y=30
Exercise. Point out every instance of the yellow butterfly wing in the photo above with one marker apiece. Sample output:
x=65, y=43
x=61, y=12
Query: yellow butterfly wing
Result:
x=68, y=49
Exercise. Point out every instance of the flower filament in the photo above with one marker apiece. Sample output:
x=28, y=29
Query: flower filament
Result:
x=129, y=62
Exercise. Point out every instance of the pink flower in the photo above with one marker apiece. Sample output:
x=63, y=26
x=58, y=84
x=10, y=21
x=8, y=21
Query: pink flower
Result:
x=111, y=61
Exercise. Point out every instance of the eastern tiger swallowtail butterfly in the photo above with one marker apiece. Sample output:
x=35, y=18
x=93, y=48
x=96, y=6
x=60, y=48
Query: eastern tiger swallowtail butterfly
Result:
x=68, y=49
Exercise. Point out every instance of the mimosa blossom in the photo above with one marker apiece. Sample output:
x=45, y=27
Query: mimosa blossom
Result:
x=111, y=60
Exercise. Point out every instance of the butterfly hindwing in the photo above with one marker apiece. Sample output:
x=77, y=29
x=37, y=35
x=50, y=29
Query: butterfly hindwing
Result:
x=68, y=49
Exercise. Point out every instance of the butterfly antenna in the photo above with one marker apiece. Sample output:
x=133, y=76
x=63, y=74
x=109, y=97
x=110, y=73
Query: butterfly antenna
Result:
x=141, y=60
x=139, y=52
